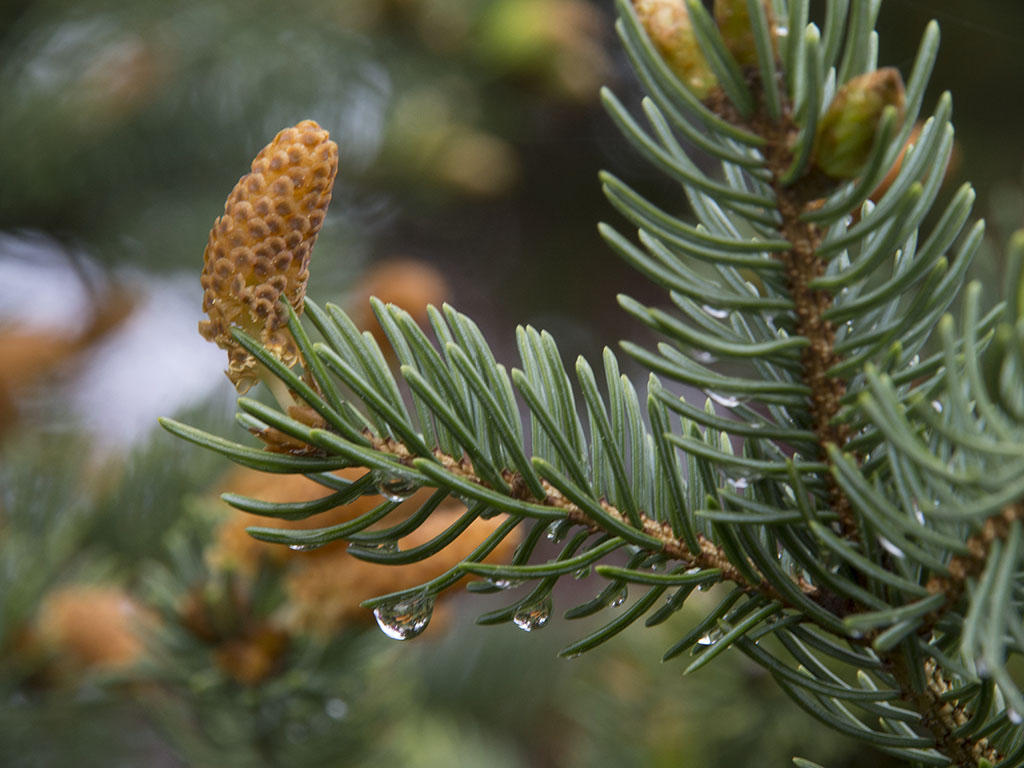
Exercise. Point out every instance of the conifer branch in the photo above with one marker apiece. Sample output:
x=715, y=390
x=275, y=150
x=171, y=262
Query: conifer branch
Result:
x=889, y=545
x=709, y=556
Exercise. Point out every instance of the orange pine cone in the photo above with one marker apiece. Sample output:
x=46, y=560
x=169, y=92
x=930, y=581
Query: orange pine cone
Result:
x=260, y=248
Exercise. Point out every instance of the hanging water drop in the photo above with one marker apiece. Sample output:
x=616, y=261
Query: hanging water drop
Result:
x=710, y=638
x=715, y=312
x=703, y=356
x=506, y=583
x=304, y=547
x=1014, y=716
x=556, y=531
x=937, y=406
x=581, y=573
x=533, y=616
x=405, y=618
x=619, y=598
x=395, y=488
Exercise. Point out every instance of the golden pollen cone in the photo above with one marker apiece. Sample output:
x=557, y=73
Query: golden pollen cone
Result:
x=259, y=248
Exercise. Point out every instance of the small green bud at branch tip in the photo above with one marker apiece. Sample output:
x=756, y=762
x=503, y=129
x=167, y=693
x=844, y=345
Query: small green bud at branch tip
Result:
x=847, y=131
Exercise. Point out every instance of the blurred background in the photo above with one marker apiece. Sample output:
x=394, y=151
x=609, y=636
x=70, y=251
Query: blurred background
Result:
x=138, y=624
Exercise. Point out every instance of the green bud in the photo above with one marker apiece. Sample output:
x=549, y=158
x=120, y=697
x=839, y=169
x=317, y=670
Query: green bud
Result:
x=733, y=18
x=847, y=131
x=668, y=25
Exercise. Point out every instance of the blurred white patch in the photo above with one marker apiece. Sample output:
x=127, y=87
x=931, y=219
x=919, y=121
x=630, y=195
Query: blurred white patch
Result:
x=41, y=289
x=154, y=364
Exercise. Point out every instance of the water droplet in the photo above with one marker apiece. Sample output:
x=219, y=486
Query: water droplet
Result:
x=336, y=709
x=506, y=583
x=981, y=667
x=582, y=573
x=304, y=547
x=533, y=616
x=395, y=487
x=405, y=618
x=703, y=356
x=937, y=405
x=715, y=312
x=914, y=361
x=891, y=548
x=556, y=531
x=1014, y=716
x=728, y=401
x=704, y=586
x=710, y=638
x=619, y=599
x=781, y=31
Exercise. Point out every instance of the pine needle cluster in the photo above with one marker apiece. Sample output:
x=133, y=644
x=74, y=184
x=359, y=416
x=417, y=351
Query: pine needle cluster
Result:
x=854, y=479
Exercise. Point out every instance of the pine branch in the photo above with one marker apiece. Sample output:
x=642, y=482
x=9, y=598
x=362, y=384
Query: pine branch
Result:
x=870, y=522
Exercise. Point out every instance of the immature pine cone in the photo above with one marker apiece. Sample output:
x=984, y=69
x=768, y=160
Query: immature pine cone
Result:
x=668, y=25
x=260, y=248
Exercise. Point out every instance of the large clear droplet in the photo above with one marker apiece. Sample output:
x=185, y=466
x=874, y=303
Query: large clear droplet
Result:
x=533, y=616
x=395, y=487
x=405, y=618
